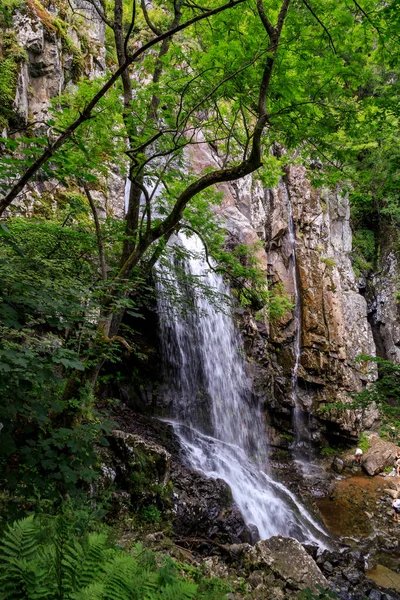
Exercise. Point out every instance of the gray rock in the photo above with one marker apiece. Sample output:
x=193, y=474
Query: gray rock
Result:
x=287, y=560
x=338, y=465
x=375, y=595
x=327, y=567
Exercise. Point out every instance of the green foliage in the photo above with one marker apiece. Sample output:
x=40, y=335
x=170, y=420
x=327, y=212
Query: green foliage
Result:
x=11, y=56
x=385, y=393
x=364, y=250
x=319, y=594
x=363, y=442
x=328, y=451
x=46, y=279
x=55, y=562
x=150, y=514
x=7, y=8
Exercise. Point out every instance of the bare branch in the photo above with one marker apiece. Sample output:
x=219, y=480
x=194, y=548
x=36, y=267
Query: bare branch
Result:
x=316, y=17
x=270, y=29
x=153, y=28
x=99, y=234
x=130, y=29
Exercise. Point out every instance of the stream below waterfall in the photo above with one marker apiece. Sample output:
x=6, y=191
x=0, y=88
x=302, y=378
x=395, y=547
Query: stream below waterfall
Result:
x=214, y=413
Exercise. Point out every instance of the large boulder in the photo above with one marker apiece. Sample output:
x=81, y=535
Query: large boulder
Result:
x=287, y=561
x=380, y=455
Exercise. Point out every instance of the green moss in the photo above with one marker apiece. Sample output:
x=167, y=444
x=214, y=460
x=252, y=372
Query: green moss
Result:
x=11, y=55
x=7, y=9
x=328, y=451
x=329, y=262
x=60, y=27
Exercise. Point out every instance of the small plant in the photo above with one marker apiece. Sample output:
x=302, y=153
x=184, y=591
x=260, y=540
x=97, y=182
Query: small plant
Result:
x=150, y=514
x=363, y=442
x=329, y=262
x=321, y=594
x=329, y=451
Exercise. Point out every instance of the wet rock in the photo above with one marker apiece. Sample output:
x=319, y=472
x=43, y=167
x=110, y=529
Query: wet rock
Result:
x=353, y=575
x=327, y=567
x=136, y=453
x=380, y=455
x=392, y=493
x=204, y=508
x=338, y=465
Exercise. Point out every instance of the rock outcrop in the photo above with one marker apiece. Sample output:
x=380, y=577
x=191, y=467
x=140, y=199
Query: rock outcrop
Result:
x=55, y=57
x=381, y=290
x=380, y=455
x=145, y=467
x=333, y=314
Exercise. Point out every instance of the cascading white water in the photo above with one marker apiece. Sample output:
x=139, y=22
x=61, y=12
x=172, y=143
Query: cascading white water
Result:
x=216, y=417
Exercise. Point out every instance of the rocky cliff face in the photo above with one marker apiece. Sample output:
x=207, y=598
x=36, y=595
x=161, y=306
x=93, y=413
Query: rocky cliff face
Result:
x=334, y=328
x=332, y=320
x=383, y=304
x=61, y=43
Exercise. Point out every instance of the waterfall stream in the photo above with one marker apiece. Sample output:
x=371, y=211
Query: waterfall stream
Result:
x=219, y=423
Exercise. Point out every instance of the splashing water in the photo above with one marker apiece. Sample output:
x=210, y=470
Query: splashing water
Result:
x=219, y=423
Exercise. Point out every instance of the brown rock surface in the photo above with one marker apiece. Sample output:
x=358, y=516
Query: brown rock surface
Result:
x=380, y=455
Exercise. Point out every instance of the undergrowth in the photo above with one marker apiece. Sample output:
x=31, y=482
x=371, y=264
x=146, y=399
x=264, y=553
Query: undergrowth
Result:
x=53, y=560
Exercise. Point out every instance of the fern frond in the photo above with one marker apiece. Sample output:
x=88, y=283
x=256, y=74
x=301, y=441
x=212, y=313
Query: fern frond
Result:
x=94, y=591
x=180, y=590
x=93, y=554
x=19, y=541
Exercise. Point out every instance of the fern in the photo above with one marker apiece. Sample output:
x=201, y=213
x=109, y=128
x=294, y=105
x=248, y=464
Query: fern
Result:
x=91, y=564
x=20, y=576
x=20, y=541
x=65, y=567
x=180, y=590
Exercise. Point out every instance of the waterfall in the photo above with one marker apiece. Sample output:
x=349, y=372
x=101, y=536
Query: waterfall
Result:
x=219, y=423
x=301, y=423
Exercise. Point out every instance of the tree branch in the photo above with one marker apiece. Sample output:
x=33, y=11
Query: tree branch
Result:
x=316, y=17
x=87, y=112
x=99, y=234
x=153, y=28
